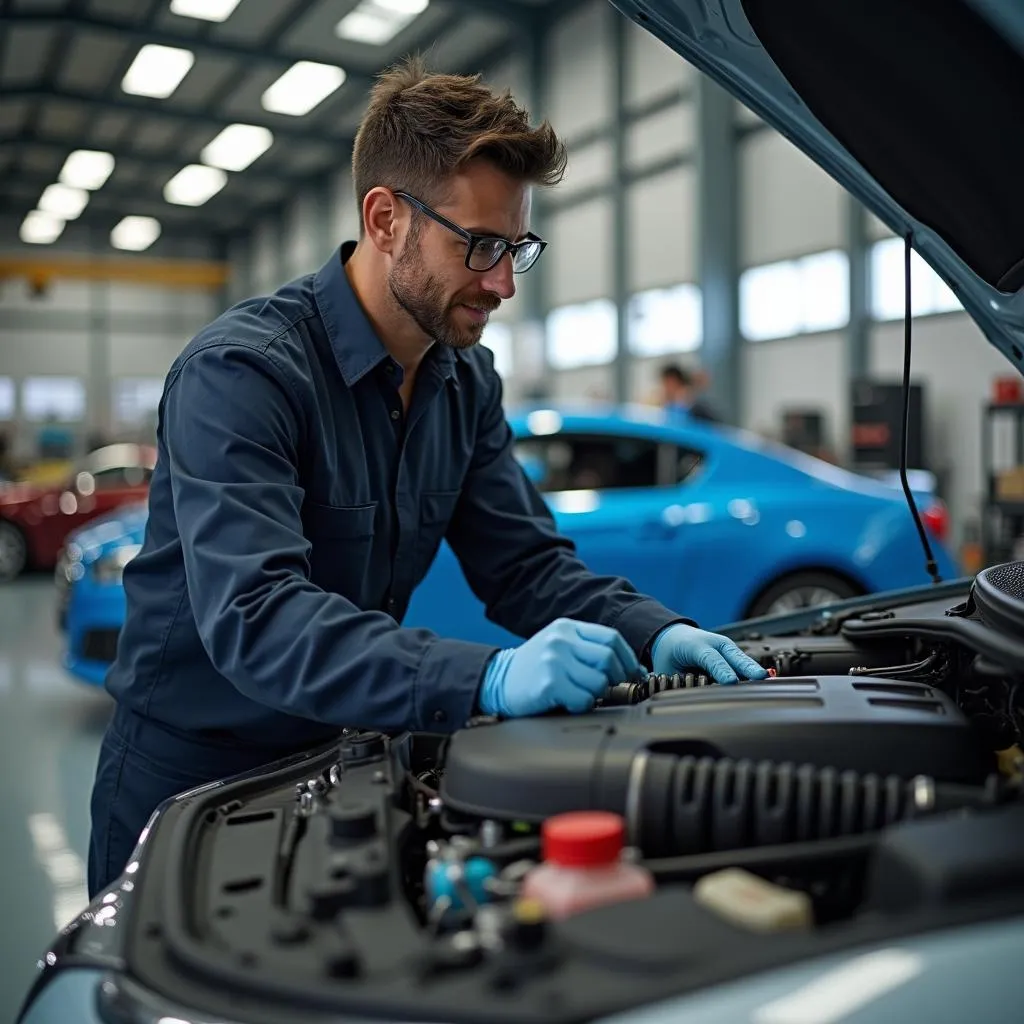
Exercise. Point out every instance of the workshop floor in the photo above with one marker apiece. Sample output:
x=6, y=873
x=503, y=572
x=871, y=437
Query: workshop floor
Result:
x=50, y=730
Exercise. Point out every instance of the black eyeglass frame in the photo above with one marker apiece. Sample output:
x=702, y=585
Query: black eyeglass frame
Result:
x=473, y=240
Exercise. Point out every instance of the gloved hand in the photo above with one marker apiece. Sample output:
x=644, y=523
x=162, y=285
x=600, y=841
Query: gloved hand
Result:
x=680, y=646
x=566, y=665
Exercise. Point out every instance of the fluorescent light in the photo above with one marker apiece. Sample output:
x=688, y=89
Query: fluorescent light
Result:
x=410, y=8
x=87, y=168
x=135, y=233
x=63, y=201
x=194, y=185
x=378, y=21
x=40, y=228
x=204, y=10
x=302, y=87
x=157, y=71
x=237, y=146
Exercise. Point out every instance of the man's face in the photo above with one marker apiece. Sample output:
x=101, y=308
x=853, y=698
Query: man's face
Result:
x=430, y=279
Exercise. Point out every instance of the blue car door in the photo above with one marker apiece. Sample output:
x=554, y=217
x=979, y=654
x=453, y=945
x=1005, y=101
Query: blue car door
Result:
x=616, y=495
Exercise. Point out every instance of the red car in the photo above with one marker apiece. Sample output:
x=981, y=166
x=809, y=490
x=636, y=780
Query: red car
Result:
x=35, y=519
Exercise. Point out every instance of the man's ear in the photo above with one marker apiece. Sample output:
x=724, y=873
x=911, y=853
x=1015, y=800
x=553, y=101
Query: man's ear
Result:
x=381, y=219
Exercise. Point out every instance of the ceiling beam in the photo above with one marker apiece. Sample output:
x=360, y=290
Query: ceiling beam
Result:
x=159, y=108
x=558, y=11
x=198, y=223
x=234, y=81
x=125, y=154
x=167, y=273
x=60, y=47
x=527, y=17
x=23, y=195
x=117, y=71
x=130, y=199
x=151, y=34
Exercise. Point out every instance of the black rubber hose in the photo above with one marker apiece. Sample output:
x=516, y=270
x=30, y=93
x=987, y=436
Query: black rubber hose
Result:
x=637, y=690
x=684, y=805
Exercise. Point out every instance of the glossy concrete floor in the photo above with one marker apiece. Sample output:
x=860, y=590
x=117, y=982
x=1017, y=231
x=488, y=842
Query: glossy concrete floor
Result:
x=50, y=730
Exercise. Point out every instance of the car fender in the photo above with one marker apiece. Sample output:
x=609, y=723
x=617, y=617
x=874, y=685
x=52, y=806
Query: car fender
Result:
x=823, y=536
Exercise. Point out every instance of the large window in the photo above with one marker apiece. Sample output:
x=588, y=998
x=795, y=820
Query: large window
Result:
x=802, y=296
x=498, y=338
x=929, y=293
x=58, y=398
x=136, y=399
x=6, y=398
x=582, y=335
x=665, y=320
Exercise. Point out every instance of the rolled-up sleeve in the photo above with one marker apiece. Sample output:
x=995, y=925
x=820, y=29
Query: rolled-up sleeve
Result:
x=234, y=426
x=517, y=563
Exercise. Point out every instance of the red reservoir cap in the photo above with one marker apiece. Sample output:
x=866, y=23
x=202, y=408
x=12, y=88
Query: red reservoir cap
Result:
x=583, y=838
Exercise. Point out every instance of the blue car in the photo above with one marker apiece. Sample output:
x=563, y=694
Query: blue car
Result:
x=90, y=597
x=715, y=522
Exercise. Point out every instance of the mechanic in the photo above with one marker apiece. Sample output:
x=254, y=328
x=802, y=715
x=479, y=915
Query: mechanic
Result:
x=316, y=445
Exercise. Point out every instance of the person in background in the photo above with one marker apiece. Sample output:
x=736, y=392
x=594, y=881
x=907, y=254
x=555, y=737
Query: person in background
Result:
x=680, y=391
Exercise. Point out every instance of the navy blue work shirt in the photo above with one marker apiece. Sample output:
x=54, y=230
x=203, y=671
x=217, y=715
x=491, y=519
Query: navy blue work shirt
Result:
x=295, y=507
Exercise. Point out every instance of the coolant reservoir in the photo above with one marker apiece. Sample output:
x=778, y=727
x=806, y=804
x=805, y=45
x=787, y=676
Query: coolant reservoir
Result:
x=583, y=865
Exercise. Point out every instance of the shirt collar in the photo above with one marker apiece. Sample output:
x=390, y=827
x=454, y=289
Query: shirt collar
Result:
x=354, y=342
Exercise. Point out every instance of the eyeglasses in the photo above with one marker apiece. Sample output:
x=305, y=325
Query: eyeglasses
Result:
x=485, y=251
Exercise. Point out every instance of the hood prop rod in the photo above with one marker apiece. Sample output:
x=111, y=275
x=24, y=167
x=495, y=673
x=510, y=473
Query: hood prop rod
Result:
x=931, y=566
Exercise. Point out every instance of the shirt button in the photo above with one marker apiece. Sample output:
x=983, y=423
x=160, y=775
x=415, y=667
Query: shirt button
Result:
x=395, y=414
x=440, y=716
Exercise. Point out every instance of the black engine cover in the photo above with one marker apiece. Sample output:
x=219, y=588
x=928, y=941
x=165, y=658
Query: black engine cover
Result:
x=528, y=769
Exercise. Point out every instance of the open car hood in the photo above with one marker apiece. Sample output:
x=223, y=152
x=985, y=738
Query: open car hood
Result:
x=912, y=105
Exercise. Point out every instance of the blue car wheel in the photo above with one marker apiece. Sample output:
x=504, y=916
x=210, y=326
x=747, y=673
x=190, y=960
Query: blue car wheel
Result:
x=801, y=590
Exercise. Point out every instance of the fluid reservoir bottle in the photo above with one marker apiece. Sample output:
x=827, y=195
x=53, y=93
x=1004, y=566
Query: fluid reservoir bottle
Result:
x=583, y=865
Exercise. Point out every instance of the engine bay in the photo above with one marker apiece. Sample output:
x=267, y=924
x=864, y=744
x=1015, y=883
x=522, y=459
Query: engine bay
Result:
x=877, y=774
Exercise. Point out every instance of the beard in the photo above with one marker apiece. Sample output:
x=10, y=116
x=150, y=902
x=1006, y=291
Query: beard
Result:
x=422, y=296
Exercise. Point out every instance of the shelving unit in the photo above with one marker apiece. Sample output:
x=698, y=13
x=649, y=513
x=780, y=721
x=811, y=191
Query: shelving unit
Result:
x=1002, y=452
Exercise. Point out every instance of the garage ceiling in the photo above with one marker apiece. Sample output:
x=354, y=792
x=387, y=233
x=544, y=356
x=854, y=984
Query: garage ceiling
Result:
x=61, y=68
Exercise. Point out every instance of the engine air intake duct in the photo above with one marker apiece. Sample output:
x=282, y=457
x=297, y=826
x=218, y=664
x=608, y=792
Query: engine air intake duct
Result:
x=635, y=691
x=685, y=805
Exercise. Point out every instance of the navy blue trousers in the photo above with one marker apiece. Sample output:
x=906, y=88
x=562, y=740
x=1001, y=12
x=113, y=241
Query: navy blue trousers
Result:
x=141, y=764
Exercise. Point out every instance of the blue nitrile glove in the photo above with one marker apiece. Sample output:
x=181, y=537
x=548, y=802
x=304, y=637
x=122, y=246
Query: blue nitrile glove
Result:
x=680, y=647
x=567, y=665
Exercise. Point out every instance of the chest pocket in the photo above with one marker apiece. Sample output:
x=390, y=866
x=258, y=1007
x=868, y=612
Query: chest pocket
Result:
x=342, y=541
x=436, y=511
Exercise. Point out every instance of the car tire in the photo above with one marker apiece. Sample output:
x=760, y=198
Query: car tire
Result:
x=802, y=590
x=13, y=552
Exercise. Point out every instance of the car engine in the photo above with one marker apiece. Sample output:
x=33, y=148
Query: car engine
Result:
x=877, y=774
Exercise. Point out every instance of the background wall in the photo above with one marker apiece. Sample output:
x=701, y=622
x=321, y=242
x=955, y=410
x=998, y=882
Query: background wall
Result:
x=111, y=342
x=633, y=186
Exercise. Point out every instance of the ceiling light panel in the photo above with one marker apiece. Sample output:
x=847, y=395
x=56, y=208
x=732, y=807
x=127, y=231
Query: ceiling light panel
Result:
x=303, y=86
x=194, y=185
x=87, y=168
x=376, y=22
x=40, y=228
x=157, y=71
x=63, y=201
x=237, y=146
x=135, y=233
x=204, y=10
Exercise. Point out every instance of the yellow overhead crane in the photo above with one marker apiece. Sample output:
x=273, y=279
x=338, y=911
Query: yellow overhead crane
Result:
x=167, y=273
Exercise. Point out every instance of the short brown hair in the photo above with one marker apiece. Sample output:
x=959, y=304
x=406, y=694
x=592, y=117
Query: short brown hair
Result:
x=420, y=128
